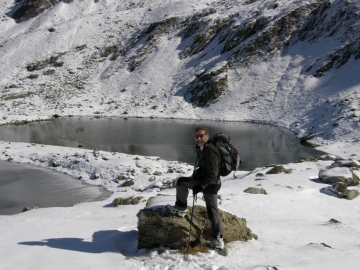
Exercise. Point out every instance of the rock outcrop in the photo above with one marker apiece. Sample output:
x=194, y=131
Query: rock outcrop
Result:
x=208, y=86
x=31, y=8
x=158, y=227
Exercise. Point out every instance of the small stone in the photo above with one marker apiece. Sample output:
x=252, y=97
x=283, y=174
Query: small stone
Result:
x=333, y=220
x=276, y=170
x=128, y=183
x=352, y=194
x=254, y=190
x=306, y=159
x=28, y=208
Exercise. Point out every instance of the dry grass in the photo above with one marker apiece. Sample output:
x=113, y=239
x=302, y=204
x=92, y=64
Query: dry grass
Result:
x=193, y=250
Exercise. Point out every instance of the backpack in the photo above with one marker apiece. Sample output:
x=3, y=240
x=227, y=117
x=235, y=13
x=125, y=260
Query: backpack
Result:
x=230, y=159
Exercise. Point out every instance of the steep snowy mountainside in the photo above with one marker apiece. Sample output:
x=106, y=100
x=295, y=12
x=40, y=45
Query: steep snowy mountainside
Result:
x=291, y=63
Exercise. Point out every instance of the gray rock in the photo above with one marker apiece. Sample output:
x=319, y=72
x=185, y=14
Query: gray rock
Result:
x=350, y=163
x=276, y=170
x=254, y=190
x=307, y=137
x=333, y=220
x=345, y=194
x=96, y=153
x=128, y=183
x=327, y=157
x=127, y=201
x=339, y=174
x=28, y=208
x=306, y=159
x=352, y=194
x=121, y=177
x=340, y=186
x=55, y=163
x=158, y=227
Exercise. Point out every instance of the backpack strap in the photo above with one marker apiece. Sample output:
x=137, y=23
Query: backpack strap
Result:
x=208, y=144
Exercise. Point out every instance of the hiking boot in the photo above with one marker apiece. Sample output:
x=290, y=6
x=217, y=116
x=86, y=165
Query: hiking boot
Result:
x=217, y=242
x=176, y=211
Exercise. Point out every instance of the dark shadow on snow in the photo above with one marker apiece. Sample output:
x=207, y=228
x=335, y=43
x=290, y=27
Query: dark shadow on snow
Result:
x=316, y=180
x=330, y=191
x=102, y=241
x=17, y=5
x=109, y=205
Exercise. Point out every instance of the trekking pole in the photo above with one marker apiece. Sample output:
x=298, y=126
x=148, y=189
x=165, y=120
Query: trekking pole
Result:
x=191, y=220
x=192, y=210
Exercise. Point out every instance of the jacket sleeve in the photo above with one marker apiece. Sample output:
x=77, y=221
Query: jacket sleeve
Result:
x=211, y=165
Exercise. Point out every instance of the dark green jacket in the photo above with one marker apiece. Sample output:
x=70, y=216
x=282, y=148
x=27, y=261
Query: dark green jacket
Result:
x=208, y=164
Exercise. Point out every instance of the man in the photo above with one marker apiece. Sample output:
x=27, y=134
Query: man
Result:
x=206, y=179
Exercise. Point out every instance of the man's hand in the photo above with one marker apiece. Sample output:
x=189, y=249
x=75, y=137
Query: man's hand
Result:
x=197, y=189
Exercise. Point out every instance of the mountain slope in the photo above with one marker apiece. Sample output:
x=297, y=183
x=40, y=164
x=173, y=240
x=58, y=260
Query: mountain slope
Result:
x=291, y=63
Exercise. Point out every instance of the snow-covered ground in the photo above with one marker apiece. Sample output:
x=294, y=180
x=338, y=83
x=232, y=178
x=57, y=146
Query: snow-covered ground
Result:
x=293, y=221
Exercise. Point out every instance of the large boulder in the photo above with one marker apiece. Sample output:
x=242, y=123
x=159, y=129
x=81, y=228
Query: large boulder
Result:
x=157, y=227
x=339, y=174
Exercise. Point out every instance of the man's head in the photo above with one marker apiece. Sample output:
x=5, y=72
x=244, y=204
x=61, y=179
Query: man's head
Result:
x=201, y=135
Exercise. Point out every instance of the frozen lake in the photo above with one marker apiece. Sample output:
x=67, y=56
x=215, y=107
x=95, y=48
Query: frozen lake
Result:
x=259, y=145
x=23, y=185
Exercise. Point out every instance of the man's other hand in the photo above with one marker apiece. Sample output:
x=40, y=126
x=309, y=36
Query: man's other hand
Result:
x=197, y=189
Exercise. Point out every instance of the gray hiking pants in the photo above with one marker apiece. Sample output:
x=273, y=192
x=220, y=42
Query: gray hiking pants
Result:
x=182, y=191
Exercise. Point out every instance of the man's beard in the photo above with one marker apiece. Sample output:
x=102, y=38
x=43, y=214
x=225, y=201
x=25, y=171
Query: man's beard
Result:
x=201, y=144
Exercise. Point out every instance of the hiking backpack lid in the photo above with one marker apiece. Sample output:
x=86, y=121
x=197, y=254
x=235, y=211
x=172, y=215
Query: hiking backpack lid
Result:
x=230, y=158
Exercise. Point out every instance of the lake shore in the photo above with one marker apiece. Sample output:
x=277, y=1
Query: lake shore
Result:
x=293, y=222
x=23, y=185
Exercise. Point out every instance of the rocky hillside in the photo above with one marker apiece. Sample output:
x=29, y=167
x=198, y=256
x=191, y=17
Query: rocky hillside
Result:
x=292, y=63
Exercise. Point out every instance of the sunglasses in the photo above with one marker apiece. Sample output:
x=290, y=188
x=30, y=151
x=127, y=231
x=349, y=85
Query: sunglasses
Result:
x=199, y=136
